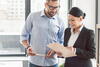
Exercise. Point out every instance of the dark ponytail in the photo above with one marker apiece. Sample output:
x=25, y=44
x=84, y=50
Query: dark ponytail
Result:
x=84, y=15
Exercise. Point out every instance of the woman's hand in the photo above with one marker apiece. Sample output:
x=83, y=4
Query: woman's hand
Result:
x=59, y=54
x=71, y=51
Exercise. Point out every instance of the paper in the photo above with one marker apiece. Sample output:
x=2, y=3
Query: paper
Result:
x=40, y=54
x=60, y=48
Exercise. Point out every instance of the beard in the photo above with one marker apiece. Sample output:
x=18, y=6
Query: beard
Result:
x=51, y=13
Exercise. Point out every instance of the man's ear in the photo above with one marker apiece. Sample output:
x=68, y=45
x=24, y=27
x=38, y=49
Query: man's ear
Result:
x=46, y=5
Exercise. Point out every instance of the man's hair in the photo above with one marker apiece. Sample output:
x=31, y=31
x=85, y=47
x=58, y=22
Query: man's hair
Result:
x=51, y=0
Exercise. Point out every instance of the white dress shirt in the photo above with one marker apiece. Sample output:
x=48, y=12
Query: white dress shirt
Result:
x=74, y=36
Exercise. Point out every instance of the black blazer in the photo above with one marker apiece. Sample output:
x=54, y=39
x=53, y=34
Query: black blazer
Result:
x=85, y=48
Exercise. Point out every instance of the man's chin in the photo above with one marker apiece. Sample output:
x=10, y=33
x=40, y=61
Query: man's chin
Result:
x=52, y=14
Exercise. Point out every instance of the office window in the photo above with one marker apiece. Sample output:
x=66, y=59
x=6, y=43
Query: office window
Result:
x=12, y=19
x=37, y=5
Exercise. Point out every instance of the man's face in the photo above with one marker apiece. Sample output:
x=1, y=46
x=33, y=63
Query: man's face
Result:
x=52, y=8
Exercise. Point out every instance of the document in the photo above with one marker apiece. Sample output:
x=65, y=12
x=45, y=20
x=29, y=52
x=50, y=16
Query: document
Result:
x=40, y=55
x=60, y=48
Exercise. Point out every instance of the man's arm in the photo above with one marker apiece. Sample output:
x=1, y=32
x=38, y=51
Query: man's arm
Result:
x=30, y=52
x=25, y=34
x=25, y=43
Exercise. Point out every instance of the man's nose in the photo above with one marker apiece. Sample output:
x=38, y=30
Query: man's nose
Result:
x=54, y=10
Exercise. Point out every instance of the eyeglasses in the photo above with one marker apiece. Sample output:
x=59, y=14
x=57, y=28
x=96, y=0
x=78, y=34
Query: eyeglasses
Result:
x=52, y=7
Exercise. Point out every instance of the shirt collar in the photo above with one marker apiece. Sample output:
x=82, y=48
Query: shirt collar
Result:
x=43, y=14
x=79, y=30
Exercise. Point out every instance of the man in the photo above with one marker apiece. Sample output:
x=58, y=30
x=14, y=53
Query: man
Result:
x=42, y=28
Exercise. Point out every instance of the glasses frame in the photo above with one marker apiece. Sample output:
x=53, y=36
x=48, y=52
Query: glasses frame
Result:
x=52, y=7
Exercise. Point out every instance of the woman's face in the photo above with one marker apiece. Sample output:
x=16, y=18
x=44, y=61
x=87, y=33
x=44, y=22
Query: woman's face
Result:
x=75, y=22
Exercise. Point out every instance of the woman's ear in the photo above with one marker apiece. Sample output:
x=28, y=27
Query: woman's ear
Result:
x=81, y=18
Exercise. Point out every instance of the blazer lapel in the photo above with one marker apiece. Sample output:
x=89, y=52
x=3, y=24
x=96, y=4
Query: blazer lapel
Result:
x=67, y=36
x=79, y=39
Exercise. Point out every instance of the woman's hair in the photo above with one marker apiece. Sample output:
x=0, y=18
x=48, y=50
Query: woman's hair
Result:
x=75, y=11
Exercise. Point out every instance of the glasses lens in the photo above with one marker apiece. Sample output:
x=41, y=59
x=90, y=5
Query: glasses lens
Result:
x=52, y=7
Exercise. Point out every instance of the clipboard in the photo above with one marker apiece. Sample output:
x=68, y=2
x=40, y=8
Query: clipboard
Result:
x=60, y=48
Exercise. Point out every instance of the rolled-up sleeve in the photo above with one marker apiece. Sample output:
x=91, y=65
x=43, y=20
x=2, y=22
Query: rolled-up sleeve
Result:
x=26, y=29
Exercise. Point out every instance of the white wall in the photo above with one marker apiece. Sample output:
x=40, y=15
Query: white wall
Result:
x=88, y=6
x=63, y=11
x=98, y=11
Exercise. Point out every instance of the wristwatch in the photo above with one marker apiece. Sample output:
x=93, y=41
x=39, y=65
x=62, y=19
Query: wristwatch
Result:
x=28, y=47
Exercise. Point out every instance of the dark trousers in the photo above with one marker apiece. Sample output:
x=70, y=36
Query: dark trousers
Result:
x=76, y=62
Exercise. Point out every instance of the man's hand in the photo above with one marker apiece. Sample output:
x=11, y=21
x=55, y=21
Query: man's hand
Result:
x=50, y=54
x=30, y=52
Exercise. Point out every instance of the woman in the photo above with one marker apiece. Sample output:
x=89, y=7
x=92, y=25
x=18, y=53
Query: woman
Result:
x=80, y=39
